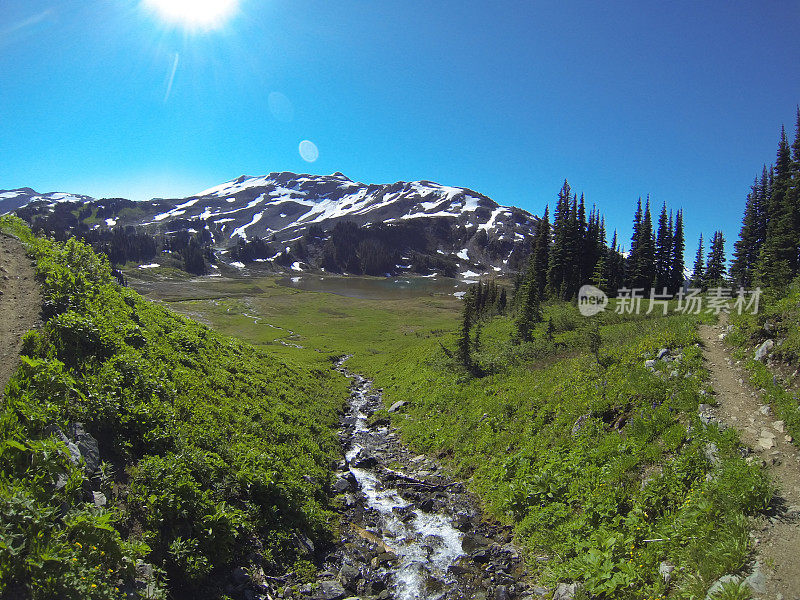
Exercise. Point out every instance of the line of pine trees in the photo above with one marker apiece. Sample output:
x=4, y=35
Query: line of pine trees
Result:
x=573, y=252
x=767, y=252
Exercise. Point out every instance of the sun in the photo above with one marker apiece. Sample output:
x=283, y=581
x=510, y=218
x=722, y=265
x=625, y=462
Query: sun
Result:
x=194, y=14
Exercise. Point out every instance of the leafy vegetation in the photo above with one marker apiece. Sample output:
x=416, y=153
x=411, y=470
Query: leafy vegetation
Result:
x=212, y=453
x=600, y=463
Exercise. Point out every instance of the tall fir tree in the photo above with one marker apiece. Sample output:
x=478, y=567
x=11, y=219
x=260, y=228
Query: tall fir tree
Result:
x=698, y=269
x=677, y=275
x=714, y=275
x=663, y=250
x=633, y=262
x=647, y=251
x=464, y=340
x=557, y=263
x=751, y=238
x=541, y=252
x=777, y=262
x=616, y=266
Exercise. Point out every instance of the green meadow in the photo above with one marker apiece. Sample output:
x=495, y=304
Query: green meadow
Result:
x=601, y=464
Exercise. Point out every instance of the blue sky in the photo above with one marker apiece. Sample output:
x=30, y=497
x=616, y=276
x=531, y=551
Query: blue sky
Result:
x=681, y=100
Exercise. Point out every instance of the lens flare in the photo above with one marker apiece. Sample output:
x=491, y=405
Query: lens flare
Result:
x=194, y=14
x=309, y=151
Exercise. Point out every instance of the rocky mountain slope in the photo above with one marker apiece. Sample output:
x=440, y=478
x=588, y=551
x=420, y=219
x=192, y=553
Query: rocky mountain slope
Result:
x=412, y=225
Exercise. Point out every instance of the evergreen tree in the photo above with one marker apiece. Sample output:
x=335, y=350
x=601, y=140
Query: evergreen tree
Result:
x=615, y=263
x=778, y=260
x=698, y=271
x=541, y=251
x=557, y=263
x=677, y=275
x=464, y=342
x=502, y=301
x=647, y=251
x=714, y=275
x=748, y=247
x=530, y=312
x=633, y=263
x=663, y=250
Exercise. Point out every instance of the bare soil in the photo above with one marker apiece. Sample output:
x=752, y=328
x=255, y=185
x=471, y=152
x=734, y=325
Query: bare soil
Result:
x=777, y=533
x=20, y=304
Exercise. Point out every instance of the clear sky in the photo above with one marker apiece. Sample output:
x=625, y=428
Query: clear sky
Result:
x=682, y=100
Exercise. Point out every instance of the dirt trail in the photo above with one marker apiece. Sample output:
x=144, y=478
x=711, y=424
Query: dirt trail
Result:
x=777, y=534
x=20, y=304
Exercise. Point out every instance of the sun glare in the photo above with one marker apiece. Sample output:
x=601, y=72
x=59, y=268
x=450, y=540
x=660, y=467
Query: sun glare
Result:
x=194, y=14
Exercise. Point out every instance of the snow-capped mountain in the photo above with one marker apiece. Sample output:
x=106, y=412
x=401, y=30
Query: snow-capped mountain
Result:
x=284, y=208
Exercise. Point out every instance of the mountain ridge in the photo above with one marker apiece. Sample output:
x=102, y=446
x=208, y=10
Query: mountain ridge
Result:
x=291, y=209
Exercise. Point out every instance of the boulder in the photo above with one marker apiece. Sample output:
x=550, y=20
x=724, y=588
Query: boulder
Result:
x=348, y=576
x=328, y=590
x=567, y=591
x=763, y=350
x=341, y=485
x=662, y=353
x=397, y=406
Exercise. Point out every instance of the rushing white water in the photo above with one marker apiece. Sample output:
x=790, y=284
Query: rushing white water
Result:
x=426, y=544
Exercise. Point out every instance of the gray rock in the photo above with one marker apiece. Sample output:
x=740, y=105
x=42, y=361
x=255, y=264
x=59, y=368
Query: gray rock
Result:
x=99, y=499
x=567, y=591
x=328, y=590
x=757, y=580
x=501, y=593
x=341, y=485
x=711, y=453
x=649, y=364
x=61, y=481
x=397, y=406
x=662, y=353
x=348, y=576
x=763, y=350
x=766, y=443
x=472, y=542
x=716, y=587
x=88, y=448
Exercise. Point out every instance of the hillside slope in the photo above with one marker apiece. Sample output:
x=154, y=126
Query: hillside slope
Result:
x=140, y=450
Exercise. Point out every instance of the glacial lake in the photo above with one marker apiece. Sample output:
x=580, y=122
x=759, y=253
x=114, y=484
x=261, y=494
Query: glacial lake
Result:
x=375, y=288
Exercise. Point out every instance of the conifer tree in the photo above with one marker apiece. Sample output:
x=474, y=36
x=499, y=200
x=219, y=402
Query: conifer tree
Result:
x=464, y=341
x=541, y=251
x=615, y=266
x=698, y=271
x=748, y=247
x=633, y=263
x=677, y=275
x=502, y=301
x=663, y=250
x=530, y=312
x=778, y=261
x=558, y=258
x=647, y=250
x=714, y=275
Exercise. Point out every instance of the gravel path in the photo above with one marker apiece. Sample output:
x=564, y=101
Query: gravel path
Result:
x=777, y=534
x=20, y=304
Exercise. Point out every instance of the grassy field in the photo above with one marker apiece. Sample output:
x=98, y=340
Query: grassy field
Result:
x=603, y=466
